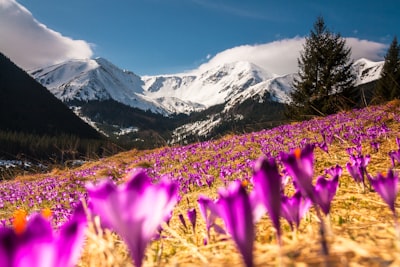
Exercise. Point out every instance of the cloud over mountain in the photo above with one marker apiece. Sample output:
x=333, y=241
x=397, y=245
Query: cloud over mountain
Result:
x=280, y=57
x=30, y=44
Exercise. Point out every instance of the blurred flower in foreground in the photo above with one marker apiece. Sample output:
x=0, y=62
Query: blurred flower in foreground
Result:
x=294, y=208
x=235, y=209
x=33, y=242
x=300, y=165
x=386, y=185
x=324, y=191
x=209, y=211
x=267, y=187
x=134, y=210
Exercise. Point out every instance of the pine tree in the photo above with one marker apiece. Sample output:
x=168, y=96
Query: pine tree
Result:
x=325, y=74
x=388, y=86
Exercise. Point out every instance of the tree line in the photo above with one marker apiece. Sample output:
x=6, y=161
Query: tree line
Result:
x=326, y=82
x=52, y=149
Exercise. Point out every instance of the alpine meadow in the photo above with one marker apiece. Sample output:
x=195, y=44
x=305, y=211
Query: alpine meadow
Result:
x=228, y=165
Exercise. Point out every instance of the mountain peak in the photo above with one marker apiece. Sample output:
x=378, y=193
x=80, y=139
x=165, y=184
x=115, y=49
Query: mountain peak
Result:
x=367, y=70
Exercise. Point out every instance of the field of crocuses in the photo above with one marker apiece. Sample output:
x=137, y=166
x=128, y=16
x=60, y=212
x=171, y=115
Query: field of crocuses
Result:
x=316, y=193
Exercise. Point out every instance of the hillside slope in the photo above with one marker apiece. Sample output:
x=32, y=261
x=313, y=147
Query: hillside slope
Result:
x=27, y=106
x=361, y=230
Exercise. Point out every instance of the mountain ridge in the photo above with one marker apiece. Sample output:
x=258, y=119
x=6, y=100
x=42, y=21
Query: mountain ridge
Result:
x=204, y=101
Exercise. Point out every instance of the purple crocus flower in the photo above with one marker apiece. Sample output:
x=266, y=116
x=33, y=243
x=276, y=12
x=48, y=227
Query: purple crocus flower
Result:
x=209, y=211
x=324, y=192
x=182, y=219
x=394, y=156
x=375, y=146
x=334, y=171
x=323, y=146
x=38, y=245
x=134, y=209
x=294, y=208
x=192, y=215
x=357, y=167
x=267, y=187
x=300, y=165
x=235, y=209
x=386, y=185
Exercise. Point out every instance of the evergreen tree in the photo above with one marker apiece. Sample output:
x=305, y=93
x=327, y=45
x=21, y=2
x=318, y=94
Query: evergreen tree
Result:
x=325, y=75
x=388, y=86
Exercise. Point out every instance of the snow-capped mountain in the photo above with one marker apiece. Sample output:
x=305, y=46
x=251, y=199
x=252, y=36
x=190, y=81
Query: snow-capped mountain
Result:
x=94, y=79
x=98, y=79
x=222, y=94
x=212, y=87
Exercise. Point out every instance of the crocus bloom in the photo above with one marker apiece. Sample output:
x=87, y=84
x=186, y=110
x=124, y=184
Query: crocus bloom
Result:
x=333, y=171
x=300, y=165
x=294, y=208
x=267, y=187
x=182, y=219
x=209, y=211
x=394, y=155
x=191, y=214
x=387, y=187
x=134, y=210
x=357, y=167
x=325, y=190
x=375, y=146
x=35, y=244
x=235, y=209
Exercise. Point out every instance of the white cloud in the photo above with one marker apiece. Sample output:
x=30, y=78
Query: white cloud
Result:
x=280, y=57
x=366, y=49
x=31, y=44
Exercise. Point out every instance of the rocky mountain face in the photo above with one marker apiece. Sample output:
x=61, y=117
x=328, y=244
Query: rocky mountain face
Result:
x=183, y=107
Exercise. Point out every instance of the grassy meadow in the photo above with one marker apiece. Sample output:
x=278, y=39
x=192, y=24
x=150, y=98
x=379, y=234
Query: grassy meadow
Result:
x=360, y=226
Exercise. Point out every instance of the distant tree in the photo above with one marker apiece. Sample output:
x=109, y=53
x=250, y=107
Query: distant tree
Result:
x=388, y=86
x=325, y=75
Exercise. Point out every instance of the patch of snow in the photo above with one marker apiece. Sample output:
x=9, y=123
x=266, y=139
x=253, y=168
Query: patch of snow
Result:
x=127, y=130
x=77, y=111
x=198, y=128
x=367, y=70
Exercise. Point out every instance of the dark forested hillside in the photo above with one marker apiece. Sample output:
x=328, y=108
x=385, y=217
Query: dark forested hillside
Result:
x=27, y=106
x=34, y=124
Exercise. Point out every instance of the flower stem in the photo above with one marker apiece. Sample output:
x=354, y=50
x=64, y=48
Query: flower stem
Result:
x=322, y=232
x=397, y=229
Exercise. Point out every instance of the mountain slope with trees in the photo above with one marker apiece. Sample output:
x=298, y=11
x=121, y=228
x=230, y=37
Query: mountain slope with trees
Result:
x=34, y=124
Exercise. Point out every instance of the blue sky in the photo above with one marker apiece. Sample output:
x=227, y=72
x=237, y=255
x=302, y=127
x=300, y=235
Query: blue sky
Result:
x=152, y=37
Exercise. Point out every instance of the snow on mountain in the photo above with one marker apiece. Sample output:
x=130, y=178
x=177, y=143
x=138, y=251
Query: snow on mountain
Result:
x=279, y=89
x=95, y=79
x=367, y=70
x=212, y=87
x=98, y=79
x=233, y=83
